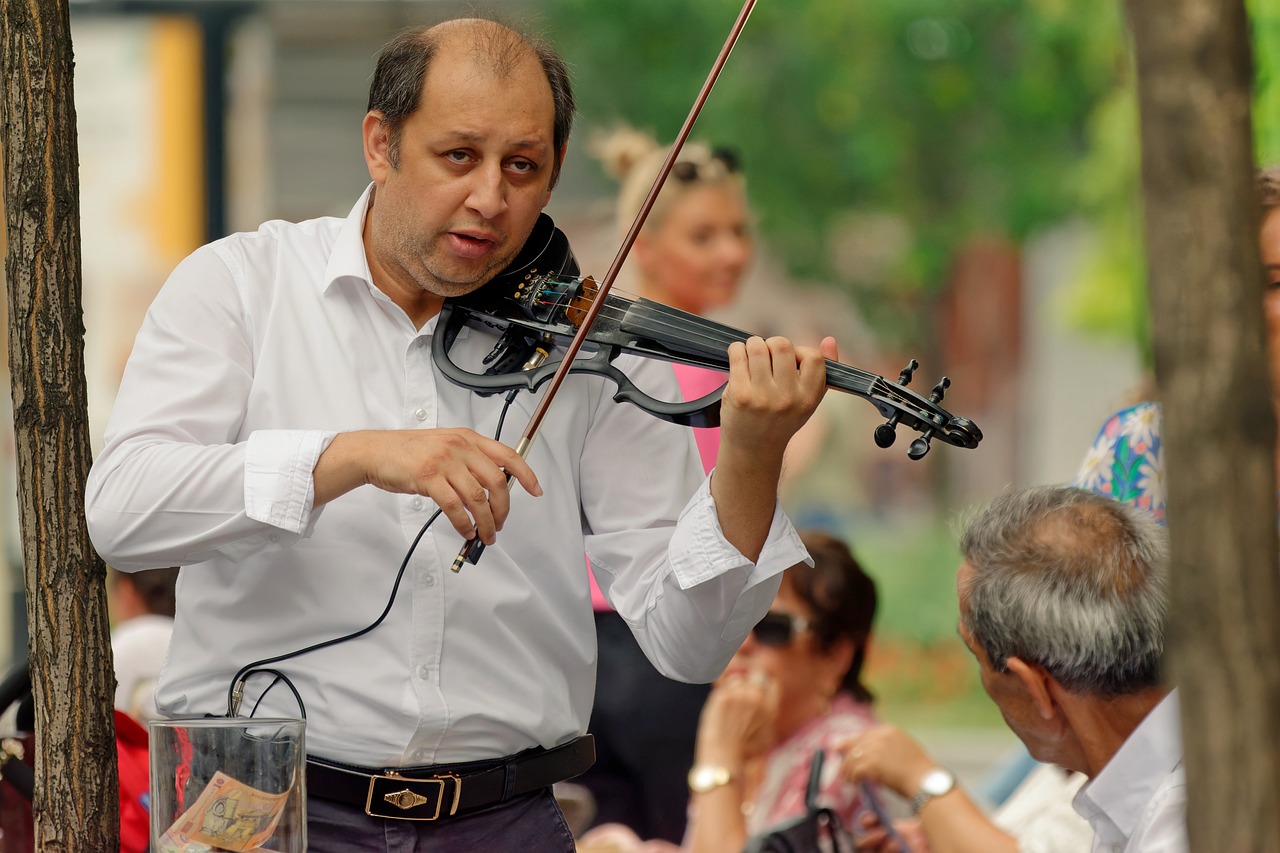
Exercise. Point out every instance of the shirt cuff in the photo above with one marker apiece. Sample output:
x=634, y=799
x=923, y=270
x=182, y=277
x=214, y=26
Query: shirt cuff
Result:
x=699, y=552
x=278, y=486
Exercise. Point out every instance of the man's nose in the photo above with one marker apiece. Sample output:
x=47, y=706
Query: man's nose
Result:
x=488, y=195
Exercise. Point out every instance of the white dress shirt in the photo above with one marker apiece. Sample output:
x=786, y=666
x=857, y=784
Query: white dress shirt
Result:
x=257, y=351
x=1138, y=802
x=1038, y=814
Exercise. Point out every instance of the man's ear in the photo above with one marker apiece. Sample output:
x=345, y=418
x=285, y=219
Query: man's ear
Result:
x=377, y=146
x=1035, y=681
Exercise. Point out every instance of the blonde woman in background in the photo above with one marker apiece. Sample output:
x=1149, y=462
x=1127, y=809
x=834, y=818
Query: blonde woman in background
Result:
x=691, y=254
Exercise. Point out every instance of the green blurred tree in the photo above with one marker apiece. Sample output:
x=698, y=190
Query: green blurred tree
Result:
x=1110, y=296
x=917, y=124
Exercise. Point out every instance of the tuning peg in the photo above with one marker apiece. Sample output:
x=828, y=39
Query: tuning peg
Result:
x=920, y=446
x=935, y=396
x=904, y=378
x=886, y=433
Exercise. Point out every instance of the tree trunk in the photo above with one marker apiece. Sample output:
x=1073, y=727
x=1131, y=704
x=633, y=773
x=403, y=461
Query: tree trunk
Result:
x=1206, y=289
x=76, y=798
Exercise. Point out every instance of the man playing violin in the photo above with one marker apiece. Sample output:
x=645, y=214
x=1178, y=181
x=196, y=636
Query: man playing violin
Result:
x=282, y=433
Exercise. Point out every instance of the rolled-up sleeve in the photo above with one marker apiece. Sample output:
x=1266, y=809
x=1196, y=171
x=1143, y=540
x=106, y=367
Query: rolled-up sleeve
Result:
x=660, y=556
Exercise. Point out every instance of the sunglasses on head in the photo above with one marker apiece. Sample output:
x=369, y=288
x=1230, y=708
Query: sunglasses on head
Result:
x=776, y=630
x=687, y=171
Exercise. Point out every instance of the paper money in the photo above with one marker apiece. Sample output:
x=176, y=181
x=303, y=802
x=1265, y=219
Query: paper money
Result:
x=172, y=842
x=228, y=815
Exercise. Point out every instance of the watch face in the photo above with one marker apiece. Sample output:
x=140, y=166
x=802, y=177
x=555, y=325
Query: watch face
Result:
x=936, y=782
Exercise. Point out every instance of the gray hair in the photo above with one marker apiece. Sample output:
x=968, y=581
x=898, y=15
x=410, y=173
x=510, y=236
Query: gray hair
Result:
x=1072, y=581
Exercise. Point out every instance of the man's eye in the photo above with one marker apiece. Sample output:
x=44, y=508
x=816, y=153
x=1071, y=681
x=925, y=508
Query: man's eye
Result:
x=458, y=156
x=522, y=166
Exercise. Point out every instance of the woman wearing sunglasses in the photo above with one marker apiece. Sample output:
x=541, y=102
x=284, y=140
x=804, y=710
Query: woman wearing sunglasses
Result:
x=793, y=688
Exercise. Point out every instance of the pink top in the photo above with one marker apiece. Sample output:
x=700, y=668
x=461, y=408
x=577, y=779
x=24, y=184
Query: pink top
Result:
x=780, y=796
x=694, y=382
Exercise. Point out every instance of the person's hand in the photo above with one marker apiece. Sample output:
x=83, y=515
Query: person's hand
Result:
x=464, y=472
x=737, y=720
x=873, y=837
x=887, y=756
x=774, y=386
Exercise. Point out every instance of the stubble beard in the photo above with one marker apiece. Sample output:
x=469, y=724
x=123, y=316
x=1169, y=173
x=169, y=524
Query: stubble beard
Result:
x=426, y=265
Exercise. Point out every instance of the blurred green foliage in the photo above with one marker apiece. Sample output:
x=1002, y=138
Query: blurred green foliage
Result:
x=955, y=117
x=947, y=119
x=918, y=668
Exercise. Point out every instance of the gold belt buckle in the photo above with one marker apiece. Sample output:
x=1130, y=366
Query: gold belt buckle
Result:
x=406, y=798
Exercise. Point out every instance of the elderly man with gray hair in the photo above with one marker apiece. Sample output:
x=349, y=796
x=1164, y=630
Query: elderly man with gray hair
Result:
x=1063, y=598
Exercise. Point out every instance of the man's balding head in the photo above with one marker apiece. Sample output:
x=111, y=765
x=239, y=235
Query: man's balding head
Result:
x=1071, y=581
x=396, y=90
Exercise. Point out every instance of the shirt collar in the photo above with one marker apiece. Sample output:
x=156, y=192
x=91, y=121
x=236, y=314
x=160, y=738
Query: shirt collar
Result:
x=1120, y=792
x=348, y=260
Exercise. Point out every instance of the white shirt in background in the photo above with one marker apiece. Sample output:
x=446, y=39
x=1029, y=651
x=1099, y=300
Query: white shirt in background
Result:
x=1138, y=802
x=139, y=646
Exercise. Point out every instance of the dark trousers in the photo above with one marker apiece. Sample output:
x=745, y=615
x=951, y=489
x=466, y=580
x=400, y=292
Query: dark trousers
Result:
x=531, y=823
x=645, y=725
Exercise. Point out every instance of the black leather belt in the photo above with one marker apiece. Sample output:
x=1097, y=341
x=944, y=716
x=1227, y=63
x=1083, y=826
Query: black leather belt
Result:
x=440, y=791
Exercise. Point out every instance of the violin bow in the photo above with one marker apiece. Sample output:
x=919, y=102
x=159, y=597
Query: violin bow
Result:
x=473, y=547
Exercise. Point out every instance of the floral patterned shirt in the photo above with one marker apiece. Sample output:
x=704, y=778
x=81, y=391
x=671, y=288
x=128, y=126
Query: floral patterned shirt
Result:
x=1126, y=460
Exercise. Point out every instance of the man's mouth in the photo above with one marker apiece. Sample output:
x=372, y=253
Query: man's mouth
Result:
x=471, y=244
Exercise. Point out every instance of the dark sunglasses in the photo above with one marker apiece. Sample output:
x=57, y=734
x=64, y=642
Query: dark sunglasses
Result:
x=687, y=171
x=777, y=630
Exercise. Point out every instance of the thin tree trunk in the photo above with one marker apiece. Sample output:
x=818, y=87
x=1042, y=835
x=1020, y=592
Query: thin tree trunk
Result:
x=1206, y=290
x=76, y=798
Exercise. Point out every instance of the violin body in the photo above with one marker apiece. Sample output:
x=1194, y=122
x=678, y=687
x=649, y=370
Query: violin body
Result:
x=537, y=305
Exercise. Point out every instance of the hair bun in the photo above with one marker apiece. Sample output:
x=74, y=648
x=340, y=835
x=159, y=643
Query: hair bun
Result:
x=620, y=150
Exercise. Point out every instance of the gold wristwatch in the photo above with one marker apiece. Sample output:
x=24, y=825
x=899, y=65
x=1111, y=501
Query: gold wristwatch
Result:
x=708, y=777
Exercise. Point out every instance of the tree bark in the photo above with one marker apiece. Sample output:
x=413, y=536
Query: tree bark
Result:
x=1206, y=289
x=76, y=803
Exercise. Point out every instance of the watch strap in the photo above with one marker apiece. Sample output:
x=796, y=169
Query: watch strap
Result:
x=936, y=783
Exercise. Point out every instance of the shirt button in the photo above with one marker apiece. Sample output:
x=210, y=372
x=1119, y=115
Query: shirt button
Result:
x=421, y=754
x=420, y=414
x=274, y=537
x=416, y=503
x=424, y=672
x=429, y=580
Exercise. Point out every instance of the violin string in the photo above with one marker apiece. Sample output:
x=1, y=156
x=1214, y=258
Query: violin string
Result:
x=717, y=335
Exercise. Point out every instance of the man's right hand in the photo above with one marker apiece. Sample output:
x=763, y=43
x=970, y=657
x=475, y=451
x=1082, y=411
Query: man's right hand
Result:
x=464, y=472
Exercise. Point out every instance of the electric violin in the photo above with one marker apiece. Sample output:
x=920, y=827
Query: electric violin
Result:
x=539, y=302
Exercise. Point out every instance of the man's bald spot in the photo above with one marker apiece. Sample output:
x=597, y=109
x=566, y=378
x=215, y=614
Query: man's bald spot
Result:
x=1090, y=543
x=489, y=44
